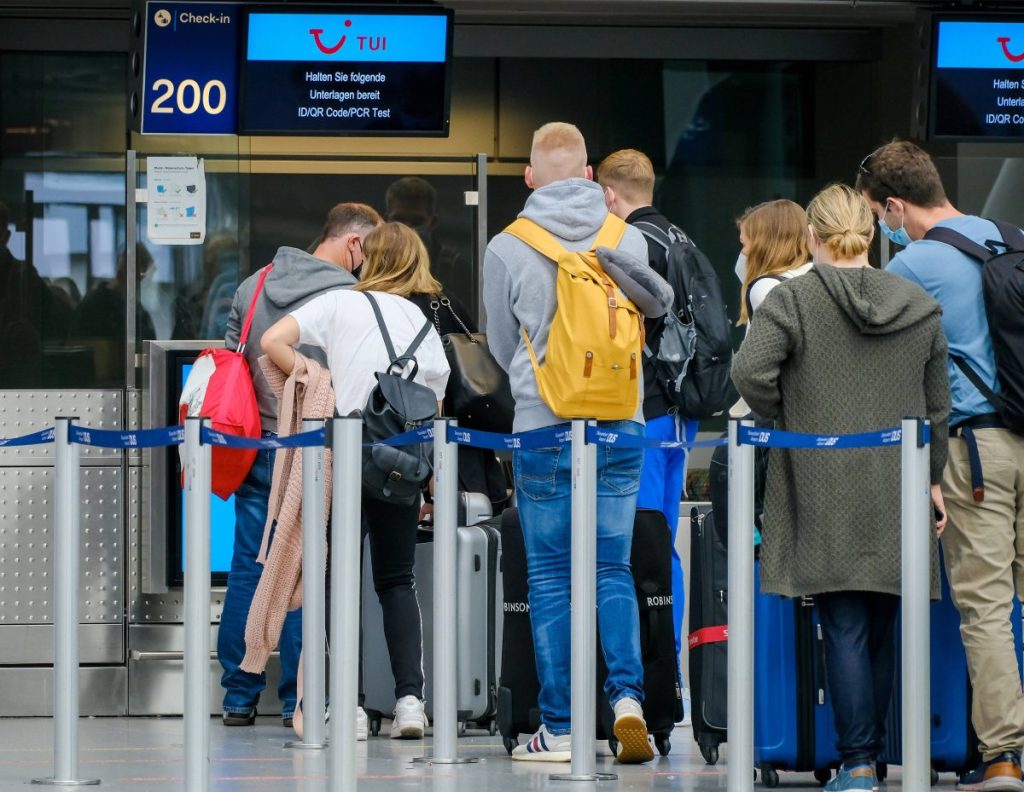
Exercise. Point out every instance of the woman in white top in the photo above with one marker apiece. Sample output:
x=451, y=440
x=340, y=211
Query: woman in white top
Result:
x=342, y=323
x=774, y=240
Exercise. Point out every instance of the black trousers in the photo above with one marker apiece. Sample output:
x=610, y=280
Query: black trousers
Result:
x=860, y=662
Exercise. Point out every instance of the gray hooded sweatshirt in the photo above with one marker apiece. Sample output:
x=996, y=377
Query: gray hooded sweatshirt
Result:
x=519, y=287
x=840, y=351
x=296, y=278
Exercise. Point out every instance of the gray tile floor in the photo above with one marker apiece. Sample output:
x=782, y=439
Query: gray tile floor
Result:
x=145, y=755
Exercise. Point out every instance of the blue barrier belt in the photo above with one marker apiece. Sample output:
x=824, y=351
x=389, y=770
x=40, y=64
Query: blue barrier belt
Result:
x=601, y=436
x=302, y=440
x=776, y=438
x=36, y=438
x=423, y=434
x=144, y=438
x=543, y=438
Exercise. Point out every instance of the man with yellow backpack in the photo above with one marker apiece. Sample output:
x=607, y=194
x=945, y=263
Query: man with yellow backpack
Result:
x=566, y=288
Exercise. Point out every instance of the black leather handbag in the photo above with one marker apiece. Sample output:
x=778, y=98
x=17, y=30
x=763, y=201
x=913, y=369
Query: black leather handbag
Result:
x=478, y=392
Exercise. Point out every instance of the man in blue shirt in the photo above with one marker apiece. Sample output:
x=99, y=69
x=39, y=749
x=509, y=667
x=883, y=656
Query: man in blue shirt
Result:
x=984, y=540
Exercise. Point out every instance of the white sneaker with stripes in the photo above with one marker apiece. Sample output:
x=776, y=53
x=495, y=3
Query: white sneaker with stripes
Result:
x=545, y=747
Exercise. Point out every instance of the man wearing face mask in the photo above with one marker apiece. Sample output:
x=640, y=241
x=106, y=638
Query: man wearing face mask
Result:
x=983, y=483
x=295, y=279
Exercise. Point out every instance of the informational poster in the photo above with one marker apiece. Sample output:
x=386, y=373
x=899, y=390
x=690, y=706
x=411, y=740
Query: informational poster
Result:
x=176, y=204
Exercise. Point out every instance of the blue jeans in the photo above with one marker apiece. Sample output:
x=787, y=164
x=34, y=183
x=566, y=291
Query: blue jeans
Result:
x=544, y=494
x=661, y=488
x=242, y=689
x=860, y=666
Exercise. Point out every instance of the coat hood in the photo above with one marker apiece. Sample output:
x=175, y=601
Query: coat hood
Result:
x=571, y=209
x=877, y=302
x=296, y=276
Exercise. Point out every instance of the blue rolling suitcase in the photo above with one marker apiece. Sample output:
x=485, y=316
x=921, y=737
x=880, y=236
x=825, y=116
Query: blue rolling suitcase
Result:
x=794, y=726
x=954, y=745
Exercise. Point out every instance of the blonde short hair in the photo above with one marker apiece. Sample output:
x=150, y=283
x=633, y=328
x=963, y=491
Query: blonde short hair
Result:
x=558, y=152
x=396, y=262
x=842, y=219
x=631, y=173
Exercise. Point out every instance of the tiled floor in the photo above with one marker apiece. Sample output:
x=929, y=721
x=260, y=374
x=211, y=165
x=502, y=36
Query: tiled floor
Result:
x=146, y=755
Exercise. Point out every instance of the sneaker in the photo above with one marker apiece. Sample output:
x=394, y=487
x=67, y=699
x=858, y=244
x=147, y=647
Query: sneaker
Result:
x=1000, y=774
x=287, y=721
x=545, y=747
x=855, y=777
x=247, y=718
x=362, y=725
x=630, y=730
x=410, y=720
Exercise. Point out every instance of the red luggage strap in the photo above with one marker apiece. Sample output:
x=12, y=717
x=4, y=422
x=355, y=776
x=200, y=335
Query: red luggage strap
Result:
x=708, y=635
x=252, y=308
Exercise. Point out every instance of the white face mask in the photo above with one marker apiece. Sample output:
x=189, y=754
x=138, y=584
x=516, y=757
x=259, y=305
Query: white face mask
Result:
x=741, y=267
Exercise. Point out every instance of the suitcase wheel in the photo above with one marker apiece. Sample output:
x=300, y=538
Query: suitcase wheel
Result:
x=709, y=752
x=462, y=729
x=510, y=744
x=613, y=746
x=823, y=775
x=882, y=771
x=492, y=727
x=935, y=776
x=663, y=744
x=374, y=717
x=769, y=777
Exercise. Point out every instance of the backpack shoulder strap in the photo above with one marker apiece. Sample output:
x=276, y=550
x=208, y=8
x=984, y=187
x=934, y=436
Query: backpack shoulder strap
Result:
x=536, y=237
x=388, y=345
x=247, y=326
x=977, y=381
x=750, y=287
x=960, y=242
x=1012, y=235
x=410, y=350
x=610, y=233
x=652, y=232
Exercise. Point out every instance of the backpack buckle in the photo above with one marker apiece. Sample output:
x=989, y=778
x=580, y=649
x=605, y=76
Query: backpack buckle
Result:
x=613, y=303
x=394, y=475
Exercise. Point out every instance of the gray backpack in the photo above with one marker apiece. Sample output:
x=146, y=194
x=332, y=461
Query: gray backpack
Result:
x=396, y=405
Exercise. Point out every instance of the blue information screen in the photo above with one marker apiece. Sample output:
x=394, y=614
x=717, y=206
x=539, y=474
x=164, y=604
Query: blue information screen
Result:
x=351, y=71
x=191, y=68
x=222, y=520
x=978, y=78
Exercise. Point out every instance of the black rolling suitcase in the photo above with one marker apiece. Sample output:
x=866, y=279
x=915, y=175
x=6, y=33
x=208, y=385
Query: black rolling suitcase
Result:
x=708, y=650
x=518, y=686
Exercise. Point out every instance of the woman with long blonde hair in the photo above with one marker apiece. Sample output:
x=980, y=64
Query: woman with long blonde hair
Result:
x=343, y=324
x=774, y=239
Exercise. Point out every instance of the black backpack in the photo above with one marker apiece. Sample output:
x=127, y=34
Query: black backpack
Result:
x=700, y=387
x=1002, y=283
x=395, y=405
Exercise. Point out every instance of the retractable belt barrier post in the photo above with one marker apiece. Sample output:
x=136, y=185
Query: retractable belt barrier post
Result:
x=346, y=538
x=916, y=638
x=313, y=596
x=584, y=609
x=65, y=611
x=740, y=665
x=446, y=494
x=198, y=470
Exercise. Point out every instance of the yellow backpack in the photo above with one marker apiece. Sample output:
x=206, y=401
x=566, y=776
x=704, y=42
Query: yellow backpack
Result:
x=592, y=365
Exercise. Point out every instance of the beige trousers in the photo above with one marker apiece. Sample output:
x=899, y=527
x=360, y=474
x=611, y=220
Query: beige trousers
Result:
x=984, y=551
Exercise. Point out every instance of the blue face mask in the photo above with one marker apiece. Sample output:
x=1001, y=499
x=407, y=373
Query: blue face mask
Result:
x=899, y=236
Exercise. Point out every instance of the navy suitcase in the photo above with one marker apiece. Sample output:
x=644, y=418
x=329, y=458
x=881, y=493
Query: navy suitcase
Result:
x=954, y=745
x=794, y=726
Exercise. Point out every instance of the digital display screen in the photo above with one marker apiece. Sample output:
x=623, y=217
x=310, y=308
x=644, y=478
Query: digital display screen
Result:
x=360, y=71
x=977, y=88
x=222, y=513
x=191, y=68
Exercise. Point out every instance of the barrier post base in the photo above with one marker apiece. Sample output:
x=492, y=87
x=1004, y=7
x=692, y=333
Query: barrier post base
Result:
x=66, y=783
x=305, y=746
x=430, y=760
x=588, y=777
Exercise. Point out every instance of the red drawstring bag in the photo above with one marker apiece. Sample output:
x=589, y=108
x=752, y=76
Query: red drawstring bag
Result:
x=219, y=387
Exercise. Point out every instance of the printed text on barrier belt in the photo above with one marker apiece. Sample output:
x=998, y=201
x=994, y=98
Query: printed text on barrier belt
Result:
x=600, y=436
x=424, y=434
x=545, y=438
x=36, y=438
x=776, y=438
x=311, y=439
x=145, y=438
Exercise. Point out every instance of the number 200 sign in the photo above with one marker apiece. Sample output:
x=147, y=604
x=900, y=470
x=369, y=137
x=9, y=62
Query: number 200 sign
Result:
x=191, y=68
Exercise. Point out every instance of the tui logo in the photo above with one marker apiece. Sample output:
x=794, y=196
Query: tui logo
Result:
x=1005, y=41
x=326, y=50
